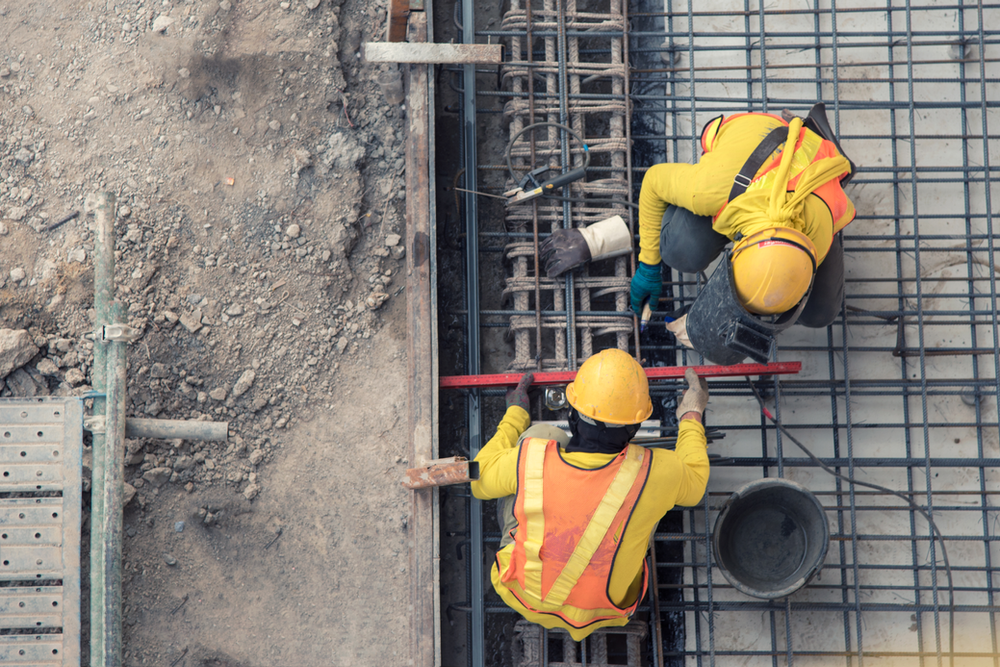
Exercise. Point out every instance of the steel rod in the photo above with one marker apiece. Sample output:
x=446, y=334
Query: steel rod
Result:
x=473, y=412
x=168, y=429
x=104, y=276
x=113, y=489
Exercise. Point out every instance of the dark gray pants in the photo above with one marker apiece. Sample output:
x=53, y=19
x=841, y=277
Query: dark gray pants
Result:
x=689, y=244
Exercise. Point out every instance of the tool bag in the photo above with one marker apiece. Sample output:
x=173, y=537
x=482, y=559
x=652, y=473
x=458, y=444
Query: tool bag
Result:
x=720, y=328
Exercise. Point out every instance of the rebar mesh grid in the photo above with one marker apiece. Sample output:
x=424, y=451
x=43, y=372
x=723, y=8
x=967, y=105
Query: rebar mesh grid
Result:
x=555, y=66
x=902, y=390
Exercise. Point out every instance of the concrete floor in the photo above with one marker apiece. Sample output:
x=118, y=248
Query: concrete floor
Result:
x=873, y=422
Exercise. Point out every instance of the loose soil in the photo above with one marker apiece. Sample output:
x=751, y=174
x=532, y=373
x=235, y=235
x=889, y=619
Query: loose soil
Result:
x=259, y=179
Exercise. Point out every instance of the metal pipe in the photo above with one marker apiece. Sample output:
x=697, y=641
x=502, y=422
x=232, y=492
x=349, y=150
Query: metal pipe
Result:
x=113, y=489
x=104, y=275
x=534, y=204
x=564, y=144
x=473, y=411
x=168, y=429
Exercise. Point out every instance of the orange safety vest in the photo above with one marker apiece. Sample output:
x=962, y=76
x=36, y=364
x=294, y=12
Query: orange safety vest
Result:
x=570, y=522
x=809, y=148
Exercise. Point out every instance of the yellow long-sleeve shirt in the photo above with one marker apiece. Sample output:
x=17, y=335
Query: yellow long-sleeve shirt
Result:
x=703, y=189
x=675, y=478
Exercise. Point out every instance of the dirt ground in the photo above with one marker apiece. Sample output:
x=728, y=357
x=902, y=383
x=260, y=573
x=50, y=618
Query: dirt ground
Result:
x=258, y=172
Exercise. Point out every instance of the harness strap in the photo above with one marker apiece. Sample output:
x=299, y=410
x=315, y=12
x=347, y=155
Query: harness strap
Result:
x=775, y=139
x=598, y=527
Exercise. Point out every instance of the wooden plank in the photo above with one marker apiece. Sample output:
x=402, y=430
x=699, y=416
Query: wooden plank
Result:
x=399, y=11
x=421, y=355
x=433, y=54
x=441, y=472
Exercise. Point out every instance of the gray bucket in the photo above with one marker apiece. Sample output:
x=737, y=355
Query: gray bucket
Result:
x=771, y=538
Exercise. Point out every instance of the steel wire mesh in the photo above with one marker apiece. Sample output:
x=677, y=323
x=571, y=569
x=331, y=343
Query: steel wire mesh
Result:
x=903, y=389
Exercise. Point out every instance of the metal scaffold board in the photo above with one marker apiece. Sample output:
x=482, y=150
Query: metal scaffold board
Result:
x=41, y=442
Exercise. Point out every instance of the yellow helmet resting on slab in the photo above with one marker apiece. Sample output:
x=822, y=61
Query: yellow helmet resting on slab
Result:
x=611, y=387
x=773, y=269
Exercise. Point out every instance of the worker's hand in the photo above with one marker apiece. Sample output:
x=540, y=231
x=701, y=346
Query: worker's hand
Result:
x=696, y=397
x=679, y=329
x=565, y=250
x=519, y=395
x=646, y=284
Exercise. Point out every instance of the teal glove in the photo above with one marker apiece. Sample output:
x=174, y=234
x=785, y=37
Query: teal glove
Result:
x=646, y=284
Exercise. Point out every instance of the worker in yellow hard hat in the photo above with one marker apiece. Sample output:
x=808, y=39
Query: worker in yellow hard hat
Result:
x=577, y=511
x=771, y=185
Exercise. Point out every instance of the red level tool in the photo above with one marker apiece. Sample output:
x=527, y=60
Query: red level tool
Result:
x=659, y=373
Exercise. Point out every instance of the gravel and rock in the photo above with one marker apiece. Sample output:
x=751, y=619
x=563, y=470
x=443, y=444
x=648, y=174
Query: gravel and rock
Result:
x=257, y=170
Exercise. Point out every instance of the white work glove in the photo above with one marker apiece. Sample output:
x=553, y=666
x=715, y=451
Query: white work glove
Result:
x=696, y=397
x=567, y=249
x=679, y=329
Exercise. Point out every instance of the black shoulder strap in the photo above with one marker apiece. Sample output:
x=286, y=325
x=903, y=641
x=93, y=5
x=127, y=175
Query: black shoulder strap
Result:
x=771, y=142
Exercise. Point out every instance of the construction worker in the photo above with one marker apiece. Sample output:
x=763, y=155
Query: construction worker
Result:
x=577, y=512
x=771, y=185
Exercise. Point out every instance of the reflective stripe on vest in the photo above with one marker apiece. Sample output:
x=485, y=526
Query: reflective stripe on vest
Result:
x=809, y=148
x=562, y=551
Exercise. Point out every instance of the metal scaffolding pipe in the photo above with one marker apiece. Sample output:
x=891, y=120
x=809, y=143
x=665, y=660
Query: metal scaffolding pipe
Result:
x=104, y=276
x=168, y=429
x=109, y=652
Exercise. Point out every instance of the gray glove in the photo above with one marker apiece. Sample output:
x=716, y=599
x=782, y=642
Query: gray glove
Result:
x=567, y=249
x=696, y=397
x=519, y=395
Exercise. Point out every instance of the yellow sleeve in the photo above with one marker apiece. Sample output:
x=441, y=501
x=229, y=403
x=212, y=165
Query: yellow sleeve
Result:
x=695, y=187
x=659, y=190
x=692, y=450
x=498, y=459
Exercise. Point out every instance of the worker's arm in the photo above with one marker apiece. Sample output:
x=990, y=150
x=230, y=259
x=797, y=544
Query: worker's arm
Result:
x=498, y=459
x=692, y=450
x=683, y=185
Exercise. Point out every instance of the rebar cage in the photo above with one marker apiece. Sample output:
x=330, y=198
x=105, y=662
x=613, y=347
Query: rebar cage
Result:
x=901, y=391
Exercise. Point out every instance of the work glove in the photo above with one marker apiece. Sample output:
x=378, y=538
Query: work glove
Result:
x=679, y=329
x=696, y=397
x=519, y=395
x=646, y=284
x=566, y=249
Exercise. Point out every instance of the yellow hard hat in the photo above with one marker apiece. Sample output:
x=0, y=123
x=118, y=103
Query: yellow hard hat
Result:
x=611, y=387
x=772, y=269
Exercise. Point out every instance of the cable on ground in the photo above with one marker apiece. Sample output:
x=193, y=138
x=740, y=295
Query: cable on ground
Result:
x=904, y=497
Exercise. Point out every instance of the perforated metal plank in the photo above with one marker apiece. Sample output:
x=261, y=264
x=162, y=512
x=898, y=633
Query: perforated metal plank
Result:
x=41, y=443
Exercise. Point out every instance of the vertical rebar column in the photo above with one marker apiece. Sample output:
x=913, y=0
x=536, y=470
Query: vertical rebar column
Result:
x=567, y=222
x=619, y=125
x=563, y=342
x=522, y=342
x=576, y=121
x=994, y=315
x=113, y=488
x=104, y=275
x=473, y=359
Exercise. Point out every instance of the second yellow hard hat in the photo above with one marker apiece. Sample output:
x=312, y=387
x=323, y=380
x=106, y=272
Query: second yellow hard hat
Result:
x=773, y=269
x=611, y=387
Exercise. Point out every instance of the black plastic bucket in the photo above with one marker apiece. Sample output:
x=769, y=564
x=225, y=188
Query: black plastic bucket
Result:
x=771, y=538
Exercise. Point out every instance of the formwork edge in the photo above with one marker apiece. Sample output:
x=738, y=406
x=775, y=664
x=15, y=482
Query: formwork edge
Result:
x=421, y=307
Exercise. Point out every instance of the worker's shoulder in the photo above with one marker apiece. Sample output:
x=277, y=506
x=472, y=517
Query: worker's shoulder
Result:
x=663, y=461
